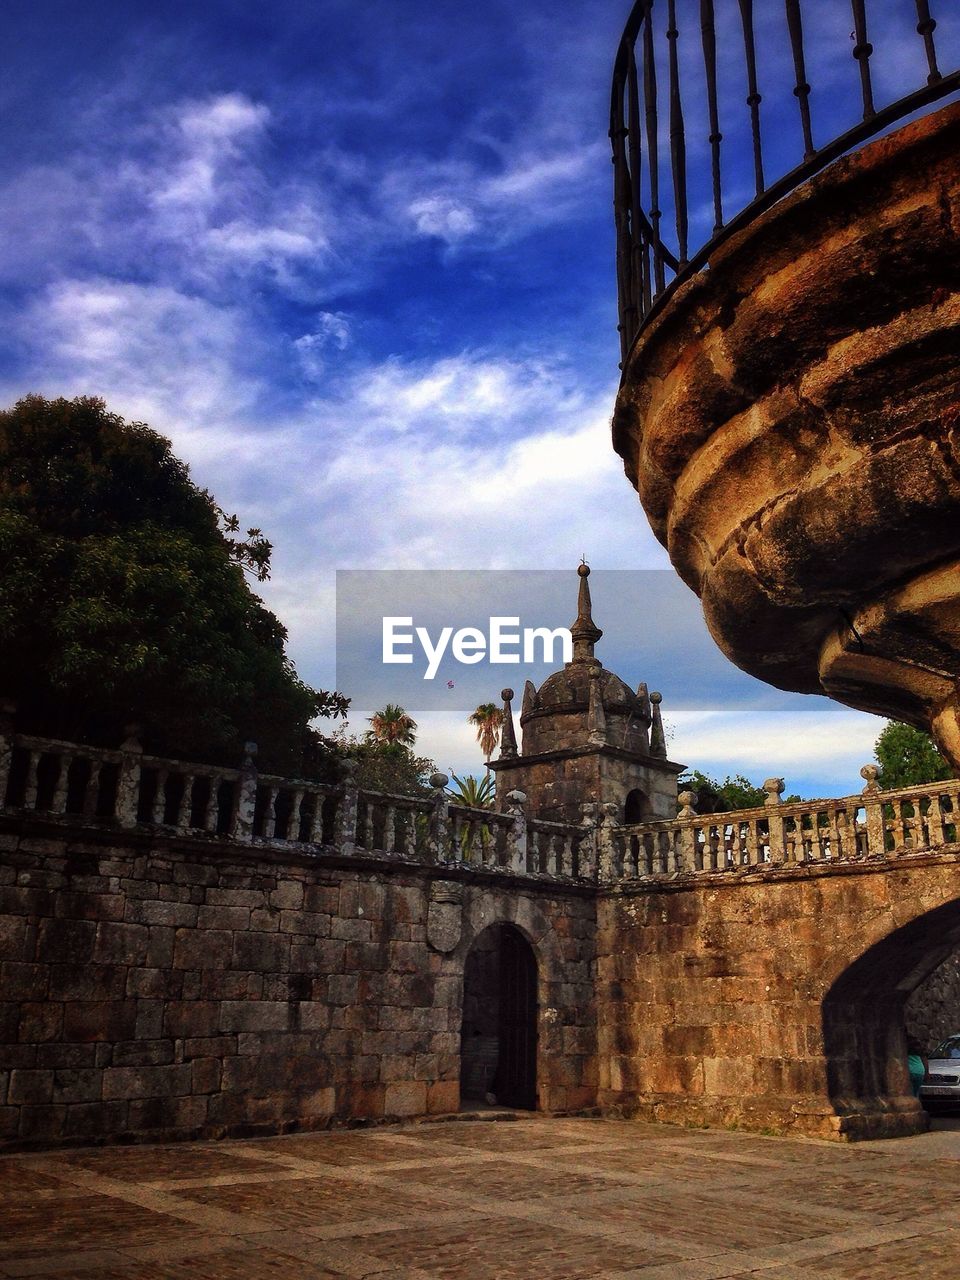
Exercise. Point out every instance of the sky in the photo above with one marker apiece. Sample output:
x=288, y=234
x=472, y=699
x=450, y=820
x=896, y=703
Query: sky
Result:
x=357, y=263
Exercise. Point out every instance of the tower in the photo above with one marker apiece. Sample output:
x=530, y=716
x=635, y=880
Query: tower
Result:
x=587, y=736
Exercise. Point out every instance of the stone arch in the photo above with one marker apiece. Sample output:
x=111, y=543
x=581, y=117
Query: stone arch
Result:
x=637, y=806
x=863, y=1018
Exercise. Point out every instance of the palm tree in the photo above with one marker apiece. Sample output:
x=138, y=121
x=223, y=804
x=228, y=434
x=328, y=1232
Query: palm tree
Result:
x=393, y=726
x=475, y=793
x=488, y=719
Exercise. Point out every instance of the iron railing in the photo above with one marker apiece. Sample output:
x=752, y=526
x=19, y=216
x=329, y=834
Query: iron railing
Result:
x=733, y=119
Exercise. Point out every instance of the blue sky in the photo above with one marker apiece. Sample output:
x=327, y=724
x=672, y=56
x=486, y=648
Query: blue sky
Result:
x=356, y=261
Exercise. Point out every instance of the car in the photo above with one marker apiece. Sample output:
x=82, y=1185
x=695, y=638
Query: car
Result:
x=940, y=1090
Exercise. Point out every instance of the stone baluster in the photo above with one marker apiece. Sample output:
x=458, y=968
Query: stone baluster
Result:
x=128, y=786
x=296, y=817
x=241, y=826
x=687, y=843
x=587, y=853
x=345, y=838
x=159, y=809
x=440, y=834
x=91, y=794
x=30, y=791
x=390, y=830
x=211, y=813
x=518, y=833
x=315, y=829
x=609, y=863
x=774, y=788
x=873, y=805
x=184, y=813
x=8, y=710
x=790, y=851
x=833, y=833
x=566, y=854
x=935, y=824
x=58, y=803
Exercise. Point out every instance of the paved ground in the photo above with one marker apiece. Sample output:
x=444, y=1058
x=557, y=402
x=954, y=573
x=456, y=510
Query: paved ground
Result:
x=535, y=1198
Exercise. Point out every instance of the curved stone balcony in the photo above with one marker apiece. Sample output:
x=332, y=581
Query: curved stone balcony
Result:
x=791, y=421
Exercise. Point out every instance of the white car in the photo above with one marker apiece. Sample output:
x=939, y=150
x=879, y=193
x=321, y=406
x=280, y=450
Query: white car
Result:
x=941, y=1084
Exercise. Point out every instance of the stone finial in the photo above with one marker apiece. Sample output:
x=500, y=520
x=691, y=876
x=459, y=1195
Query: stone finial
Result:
x=643, y=697
x=131, y=738
x=250, y=750
x=508, y=736
x=687, y=800
x=870, y=773
x=516, y=800
x=584, y=632
x=529, y=695
x=774, y=787
x=596, y=719
x=658, y=743
x=438, y=781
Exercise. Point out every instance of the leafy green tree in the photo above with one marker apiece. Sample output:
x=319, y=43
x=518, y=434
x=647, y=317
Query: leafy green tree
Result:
x=908, y=757
x=487, y=719
x=383, y=766
x=728, y=796
x=124, y=596
x=392, y=726
x=478, y=793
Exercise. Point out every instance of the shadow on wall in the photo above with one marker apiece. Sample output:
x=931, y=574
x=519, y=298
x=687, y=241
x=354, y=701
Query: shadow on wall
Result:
x=864, y=1011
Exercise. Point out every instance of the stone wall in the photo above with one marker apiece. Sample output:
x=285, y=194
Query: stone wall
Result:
x=168, y=987
x=933, y=1009
x=771, y=1001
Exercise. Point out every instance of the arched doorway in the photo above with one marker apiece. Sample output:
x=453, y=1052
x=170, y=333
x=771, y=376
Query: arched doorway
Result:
x=864, y=1034
x=636, y=807
x=499, y=1037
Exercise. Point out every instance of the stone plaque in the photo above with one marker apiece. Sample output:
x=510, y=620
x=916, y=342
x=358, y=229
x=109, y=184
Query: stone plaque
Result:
x=444, y=915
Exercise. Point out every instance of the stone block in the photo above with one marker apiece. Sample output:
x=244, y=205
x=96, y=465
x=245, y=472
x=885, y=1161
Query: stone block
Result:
x=208, y=1047
x=405, y=1098
x=229, y=918
x=443, y=1097
x=66, y=941
x=361, y=1101
x=236, y=898
x=18, y=900
x=324, y=898
x=87, y=982
x=30, y=1087
x=160, y=950
x=262, y=952
x=202, y=949
x=253, y=1015
x=182, y=1018
x=14, y=937
x=146, y=1082
x=407, y=957
x=80, y=1085
x=100, y=1020
x=154, y=984
x=342, y=988
x=70, y=1056
x=41, y=1123
x=142, y=1053
x=315, y=1015
x=169, y=914
x=95, y=1119
x=311, y=924
x=149, y=1025
x=40, y=1021
x=125, y=944
x=350, y=929
x=206, y=1075
x=265, y=920
x=183, y=1115
x=287, y=895
x=20, y=981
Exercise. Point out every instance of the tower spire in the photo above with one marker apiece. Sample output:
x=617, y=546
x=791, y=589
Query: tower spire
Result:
x=585, y=633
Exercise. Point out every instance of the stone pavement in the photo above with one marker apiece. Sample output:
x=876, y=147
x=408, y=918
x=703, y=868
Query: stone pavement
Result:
x=535, y=1198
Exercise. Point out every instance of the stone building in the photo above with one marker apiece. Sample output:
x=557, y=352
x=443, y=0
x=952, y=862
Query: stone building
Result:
x=587, y=737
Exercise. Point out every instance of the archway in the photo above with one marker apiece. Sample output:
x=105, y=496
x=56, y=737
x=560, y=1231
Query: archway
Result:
x=499, y=1035
x=864, y=1037
x=636, y=807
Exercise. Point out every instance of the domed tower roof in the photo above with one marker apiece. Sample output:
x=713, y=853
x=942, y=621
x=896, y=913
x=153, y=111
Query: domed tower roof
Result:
x=584, y=702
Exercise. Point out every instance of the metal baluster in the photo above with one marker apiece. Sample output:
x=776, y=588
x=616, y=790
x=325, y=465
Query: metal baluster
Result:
x=653, y=150
x=802, y=90
x=753, y=94
x=625, y=234
x=926, y=27
x=678, y=143
x=639, y=285
x=708, y=39
x=862, y=51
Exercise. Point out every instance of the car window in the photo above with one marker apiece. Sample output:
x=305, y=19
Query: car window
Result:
x=949, y=1048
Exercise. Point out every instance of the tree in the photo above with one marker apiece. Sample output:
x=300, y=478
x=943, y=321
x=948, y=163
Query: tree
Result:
x=124, y=596
x=393, y=725
x=487, y=719
x=383, y=766
x=477, y=793
x=908, y=757
x=728, y=796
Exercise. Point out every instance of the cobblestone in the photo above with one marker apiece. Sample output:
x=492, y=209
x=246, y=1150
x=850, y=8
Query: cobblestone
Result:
x=529, y=1199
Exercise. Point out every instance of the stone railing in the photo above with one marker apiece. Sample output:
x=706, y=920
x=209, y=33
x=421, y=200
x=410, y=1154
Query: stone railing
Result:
x=873, y=825
x=127, y=789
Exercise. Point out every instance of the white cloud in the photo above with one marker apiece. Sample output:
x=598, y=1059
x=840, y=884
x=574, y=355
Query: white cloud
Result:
x=332, y=330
